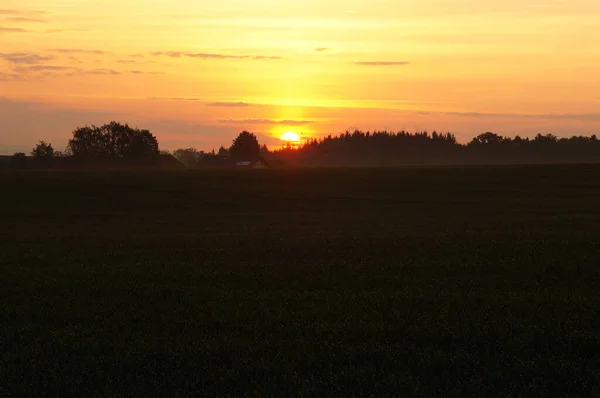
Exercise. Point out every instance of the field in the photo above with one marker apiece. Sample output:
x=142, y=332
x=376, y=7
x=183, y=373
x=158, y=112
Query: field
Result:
x=478, y=281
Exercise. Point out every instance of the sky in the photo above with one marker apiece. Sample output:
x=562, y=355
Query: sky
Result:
x=196, y=73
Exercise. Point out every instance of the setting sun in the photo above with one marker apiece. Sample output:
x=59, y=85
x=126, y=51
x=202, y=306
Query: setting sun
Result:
x=290, y=136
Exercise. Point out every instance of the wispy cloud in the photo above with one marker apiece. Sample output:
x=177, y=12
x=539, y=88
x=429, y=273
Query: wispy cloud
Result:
x=589, y=117
x=102, y=71
x=141, y=72
x=25, y=19
x=228, y=104
x=24, y=58
x=65, y=30
x=13, y=30
x=383, y=63
x=77, y=51
x=174, y=99
x=42, y=68
x=4, y=77
x=179, y=54
x=322, y=49
x=134, y=62
x=268, y=121
x=22, y=12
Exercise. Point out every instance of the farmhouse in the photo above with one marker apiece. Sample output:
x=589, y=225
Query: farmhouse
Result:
x=170, y=162
x=223, y=162
x=260, y=163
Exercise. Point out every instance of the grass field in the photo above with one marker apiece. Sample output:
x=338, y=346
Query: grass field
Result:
x=381, y=282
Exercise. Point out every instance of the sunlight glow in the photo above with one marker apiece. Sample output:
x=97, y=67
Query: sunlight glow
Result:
x=290, y=136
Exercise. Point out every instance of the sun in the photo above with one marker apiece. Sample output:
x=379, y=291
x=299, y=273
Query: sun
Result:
x=290, y=136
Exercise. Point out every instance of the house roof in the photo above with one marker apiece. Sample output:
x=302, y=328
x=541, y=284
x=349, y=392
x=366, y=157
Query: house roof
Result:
x=171, y=162
x=224, y=162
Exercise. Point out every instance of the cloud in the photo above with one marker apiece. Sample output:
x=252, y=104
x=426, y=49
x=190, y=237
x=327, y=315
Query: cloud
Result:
x=77, y=51
x=13, y=30
x=24, y=58
x=65, y=30
x=268, y=121
x=21, y=12
x=25, y=19
x=179, y=54
x=222, y=104
x=102, y=71
x=5, y=77
x=588, y=117
x=37, y=71
x=140, y=72
x=322, y=49
x=42, y=68
x=382, y=63
x=228, y=104
x=173, y=99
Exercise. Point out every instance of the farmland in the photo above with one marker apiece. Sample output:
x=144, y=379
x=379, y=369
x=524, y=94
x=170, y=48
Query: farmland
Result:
x=402, y=281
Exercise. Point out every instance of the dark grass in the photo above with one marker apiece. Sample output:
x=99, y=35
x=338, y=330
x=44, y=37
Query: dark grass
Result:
x=382, y=282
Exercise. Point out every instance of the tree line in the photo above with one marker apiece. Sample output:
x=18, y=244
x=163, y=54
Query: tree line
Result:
x=116, y=144
x=389, y=148
x=111, y=144
x=119, y=144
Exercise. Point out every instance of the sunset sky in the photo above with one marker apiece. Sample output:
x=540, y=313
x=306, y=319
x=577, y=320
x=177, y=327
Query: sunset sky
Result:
x=196, y=72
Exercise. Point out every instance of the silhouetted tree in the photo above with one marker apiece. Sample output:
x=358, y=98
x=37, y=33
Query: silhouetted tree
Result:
x=42, y=150
x=63, y=154
x=486, y=139
x=245, y=147
x=113, y=140
x=223, y=152
x=18, y=161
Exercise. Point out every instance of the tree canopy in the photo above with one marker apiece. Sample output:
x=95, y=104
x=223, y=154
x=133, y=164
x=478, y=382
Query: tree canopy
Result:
x=245, y=147
x=113, y=140
x=18, y=160
x=42, y=150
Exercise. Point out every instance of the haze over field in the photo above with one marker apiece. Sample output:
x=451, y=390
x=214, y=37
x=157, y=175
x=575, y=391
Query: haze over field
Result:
x=198, y=72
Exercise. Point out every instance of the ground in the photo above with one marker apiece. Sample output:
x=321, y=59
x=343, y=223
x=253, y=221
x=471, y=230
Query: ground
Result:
x=475, y=281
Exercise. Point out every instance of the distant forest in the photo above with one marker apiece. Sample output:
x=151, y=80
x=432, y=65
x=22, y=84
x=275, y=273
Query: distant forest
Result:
x=388, y=149
x=116, y=145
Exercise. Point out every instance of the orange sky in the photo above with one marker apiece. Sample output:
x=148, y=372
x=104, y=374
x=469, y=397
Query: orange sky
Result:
x=198, y=72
